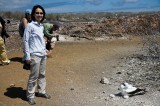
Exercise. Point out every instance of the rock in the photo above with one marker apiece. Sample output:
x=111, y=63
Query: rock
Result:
x=104, y=80
x=12, y=85
x=112, y=95
x=72, y=89
x=125, y=96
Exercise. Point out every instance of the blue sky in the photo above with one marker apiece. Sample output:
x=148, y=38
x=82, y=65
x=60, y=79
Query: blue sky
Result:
x=63, y=6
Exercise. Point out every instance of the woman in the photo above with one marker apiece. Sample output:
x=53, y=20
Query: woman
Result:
x=24, y=22
x=35, y=54
x=3, y=55
x=51, y=34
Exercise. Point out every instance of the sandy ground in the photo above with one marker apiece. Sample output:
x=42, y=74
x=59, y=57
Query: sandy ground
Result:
x=74, y=74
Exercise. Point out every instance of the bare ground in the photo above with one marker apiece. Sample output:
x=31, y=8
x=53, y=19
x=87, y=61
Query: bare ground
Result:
x=74, y=74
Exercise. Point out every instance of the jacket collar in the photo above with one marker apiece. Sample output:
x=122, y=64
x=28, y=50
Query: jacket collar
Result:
x=36, y=23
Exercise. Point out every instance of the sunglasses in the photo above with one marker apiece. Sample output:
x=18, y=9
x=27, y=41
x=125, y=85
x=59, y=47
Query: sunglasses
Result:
x=39, y=13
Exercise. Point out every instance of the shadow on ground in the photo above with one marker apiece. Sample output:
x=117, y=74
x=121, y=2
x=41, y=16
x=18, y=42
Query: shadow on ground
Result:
x=16, y=92
x=17, y=59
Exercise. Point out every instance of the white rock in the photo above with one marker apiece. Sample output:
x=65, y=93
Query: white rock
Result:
x=104, y=80
x=112, y=95
x=12, y=85
x=125, y=96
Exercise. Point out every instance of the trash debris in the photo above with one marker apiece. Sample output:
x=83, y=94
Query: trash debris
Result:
x=125, y=87
x=128, y=90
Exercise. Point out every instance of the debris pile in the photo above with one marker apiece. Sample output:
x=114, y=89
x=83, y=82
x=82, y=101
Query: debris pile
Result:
x=117, y=26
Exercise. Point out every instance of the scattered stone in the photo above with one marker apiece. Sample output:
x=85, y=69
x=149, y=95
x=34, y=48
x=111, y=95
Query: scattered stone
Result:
x=104, y=80
x=112, y=95
x=12, y=85
x=119, y=73
x=72, y=89
x=125, y=96
x=103, y=72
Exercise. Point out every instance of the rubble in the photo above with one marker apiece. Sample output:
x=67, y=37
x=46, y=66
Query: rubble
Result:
x=118, y=26
x=104, y=80
x=141, y=71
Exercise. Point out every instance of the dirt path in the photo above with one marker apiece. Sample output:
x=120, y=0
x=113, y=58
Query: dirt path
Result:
x=73, y=76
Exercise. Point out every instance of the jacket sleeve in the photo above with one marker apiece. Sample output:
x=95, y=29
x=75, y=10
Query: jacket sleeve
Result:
x=26, y=42
x=47, y=29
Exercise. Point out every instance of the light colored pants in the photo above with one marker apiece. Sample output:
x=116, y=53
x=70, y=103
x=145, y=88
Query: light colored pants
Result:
x=37, y=76
x=3, y=54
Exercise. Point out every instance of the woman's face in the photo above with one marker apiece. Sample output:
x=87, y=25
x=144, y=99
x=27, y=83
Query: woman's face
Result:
x=38, y=15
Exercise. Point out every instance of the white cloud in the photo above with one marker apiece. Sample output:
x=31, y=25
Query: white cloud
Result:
x=54, y=10
x=13, y=4
x=94, y=2
x=130, y=1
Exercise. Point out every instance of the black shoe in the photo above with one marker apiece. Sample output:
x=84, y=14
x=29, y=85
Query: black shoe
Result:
x=44, y=95
x=31, y=101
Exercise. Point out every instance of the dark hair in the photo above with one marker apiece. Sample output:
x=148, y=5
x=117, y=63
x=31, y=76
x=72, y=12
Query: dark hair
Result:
x=56, y=26
x=2, y=21
x=3, y=33
x=26, y=16
x=34, y=10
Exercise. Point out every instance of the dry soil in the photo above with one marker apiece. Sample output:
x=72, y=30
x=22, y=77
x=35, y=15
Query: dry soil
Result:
x=73, y=76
